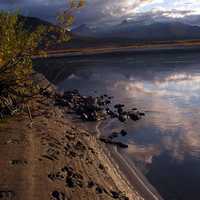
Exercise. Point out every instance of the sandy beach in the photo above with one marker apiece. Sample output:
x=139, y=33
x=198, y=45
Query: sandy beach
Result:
x=49, y=157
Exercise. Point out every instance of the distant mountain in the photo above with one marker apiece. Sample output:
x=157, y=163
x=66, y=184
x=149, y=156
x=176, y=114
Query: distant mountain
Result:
x=83, y=30
x=31, y=23
x=142, y=31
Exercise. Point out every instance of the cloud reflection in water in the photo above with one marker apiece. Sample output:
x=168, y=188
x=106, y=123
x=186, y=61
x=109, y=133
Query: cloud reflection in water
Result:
x=175, y=98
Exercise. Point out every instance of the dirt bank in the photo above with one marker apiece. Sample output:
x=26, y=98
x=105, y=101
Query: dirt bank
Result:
x=49, y=158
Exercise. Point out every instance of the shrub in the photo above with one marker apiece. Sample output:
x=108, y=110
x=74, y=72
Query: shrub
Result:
x=16, y=49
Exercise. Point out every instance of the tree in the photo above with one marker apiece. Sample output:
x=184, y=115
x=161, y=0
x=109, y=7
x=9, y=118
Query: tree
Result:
x=17, y=46
x=16, y=49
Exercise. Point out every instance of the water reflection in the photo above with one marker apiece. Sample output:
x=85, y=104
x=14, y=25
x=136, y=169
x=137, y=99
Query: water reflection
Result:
x=167, y=87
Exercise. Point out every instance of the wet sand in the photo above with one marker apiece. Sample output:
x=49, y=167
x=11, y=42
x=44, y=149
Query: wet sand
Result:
x=129, y=171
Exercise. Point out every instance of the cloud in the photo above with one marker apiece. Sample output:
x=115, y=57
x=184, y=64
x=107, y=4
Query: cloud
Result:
x=94, y=10
x=45, y=9
x=11, y=2
x=97, y=12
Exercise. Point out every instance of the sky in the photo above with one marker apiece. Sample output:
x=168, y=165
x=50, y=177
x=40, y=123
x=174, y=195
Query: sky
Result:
x=103, y=11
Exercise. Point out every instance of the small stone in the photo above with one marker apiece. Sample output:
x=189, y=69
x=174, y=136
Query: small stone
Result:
x=99, y=190
x=56, y=195
x=101, y=167
x=134, y=116
x=115, y=195
x=70, y=182
x=123, y=132
x=91, y=184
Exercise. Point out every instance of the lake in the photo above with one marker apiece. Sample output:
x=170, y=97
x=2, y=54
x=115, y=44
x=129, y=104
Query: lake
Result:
x=165, y=144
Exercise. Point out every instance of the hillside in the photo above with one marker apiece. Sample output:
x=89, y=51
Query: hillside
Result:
x=31, y=23
x=143, y=32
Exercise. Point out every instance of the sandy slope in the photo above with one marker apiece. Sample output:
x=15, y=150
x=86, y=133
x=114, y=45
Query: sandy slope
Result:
x=50, y=159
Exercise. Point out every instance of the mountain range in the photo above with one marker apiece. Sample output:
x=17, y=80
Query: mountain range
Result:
x=141, y=31
x=125, y=33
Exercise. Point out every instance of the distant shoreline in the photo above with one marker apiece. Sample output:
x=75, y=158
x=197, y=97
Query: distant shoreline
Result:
x=119, y=50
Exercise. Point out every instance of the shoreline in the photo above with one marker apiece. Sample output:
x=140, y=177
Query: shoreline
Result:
x=129, y=172
x=127, y=177
x=56, y=158
x=119, y=50
x=50, y=157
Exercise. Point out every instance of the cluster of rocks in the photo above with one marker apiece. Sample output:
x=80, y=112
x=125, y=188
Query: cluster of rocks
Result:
x=95, y=108
x=71, y=146
x=53, y=148
x=122, y=115
x=116, y=134
x=98, y=108
x=57, y=195
x=73, y=179
x=75, y=149
x=87, y=107
x=100, y=190
x=109, y=139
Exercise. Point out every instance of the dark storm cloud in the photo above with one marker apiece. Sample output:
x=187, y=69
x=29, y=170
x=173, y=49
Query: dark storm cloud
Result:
x=93, y=11
x=45, y=9
x=11, y=1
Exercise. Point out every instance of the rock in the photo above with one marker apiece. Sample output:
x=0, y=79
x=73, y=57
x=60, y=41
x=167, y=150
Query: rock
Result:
x=91, y=184
x=111, y=113
x=56, y=195
x=79, y=146
x=105, y=140
x=119, y=106
x=115, y=195
x=134, y=108
x=101, y=167
x=123, y=133
x=121, y=118
x=94, y=108
x=142, y=114
x=120, y=111
x=107, y=102
x=118, y=195
x=71, y=182
x=84, y=116
x=113, y=135
x=124, y=198
x=122, y=145
x=99, y=190
x=73, y=179
x=109, y=141
x=134, y=116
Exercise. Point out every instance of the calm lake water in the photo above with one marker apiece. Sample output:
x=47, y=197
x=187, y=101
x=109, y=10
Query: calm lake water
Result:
x=165, y=144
